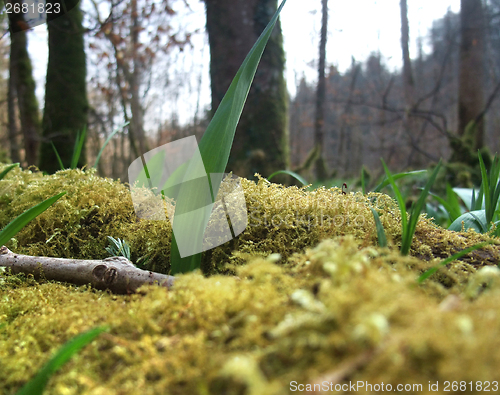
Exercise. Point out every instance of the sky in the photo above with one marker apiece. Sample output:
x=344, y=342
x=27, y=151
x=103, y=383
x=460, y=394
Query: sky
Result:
x=356, y=28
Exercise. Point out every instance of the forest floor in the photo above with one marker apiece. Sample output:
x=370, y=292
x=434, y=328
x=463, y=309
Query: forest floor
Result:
x=303, y=299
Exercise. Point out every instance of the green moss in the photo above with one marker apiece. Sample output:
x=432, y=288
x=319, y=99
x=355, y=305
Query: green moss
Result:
x=325, y=304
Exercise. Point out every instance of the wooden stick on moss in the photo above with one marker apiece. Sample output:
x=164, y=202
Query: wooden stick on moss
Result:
x=117, y=274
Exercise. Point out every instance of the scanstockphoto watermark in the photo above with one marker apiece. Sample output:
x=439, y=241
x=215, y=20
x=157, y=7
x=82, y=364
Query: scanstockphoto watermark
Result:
x=258, y=218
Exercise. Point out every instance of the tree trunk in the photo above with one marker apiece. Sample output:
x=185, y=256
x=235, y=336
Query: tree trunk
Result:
x=319, y=118
x=261, y=140
x=66, y=103
x=23, y=87
x=137, y=122
x=408, y=81
x=471, y=78
x=15, y=156
x=408, y=123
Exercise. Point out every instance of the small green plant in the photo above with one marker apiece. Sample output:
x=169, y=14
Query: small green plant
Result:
x=77, y=149
x=481, y=216
x=118, y=247
x=38, y=383
x=408, y=227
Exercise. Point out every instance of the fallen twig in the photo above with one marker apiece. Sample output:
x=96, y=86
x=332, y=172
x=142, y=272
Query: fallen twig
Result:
x=117, y=274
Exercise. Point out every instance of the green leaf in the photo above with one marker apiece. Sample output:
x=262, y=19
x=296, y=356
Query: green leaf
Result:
x=452, y=258
x=365, y=178
x=472, y=219
x=382, y=240
x=451, y=203
x=22, y=220
x=290, y=173
x=106, y=143
x=37, y=385
x=408, y=228
x=61, y=165
x=416, y=210
x=395, y=177
x=486, y=187
x=214, y=147
x=77, y=150
x=7, y=169
x=401, y=204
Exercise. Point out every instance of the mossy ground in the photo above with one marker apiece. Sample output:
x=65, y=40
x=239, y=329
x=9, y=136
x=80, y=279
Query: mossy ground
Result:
x=332, y=306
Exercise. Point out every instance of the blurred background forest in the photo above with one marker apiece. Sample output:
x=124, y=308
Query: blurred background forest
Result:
x=138, y=61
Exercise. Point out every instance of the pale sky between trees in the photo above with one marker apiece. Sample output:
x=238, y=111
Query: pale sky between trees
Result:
x=356, y=28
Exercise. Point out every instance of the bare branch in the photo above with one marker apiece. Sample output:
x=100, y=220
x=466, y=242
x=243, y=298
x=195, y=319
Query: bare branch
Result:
x=117, y=274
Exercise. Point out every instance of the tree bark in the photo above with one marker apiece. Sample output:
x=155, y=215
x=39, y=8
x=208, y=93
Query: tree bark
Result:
x=261, y=140
x=66, y=104
x=22, y=87
x=471, y=77
x=319, y=118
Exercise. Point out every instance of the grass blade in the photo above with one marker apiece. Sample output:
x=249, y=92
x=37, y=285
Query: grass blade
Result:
x=37, y=385
x=106, y=143
x=77, y=151
x=365, y=179
x=22, y=220
x=7, y=169
x=61, y=165
x=214, y=147
x=416, y=210
x=386, y=182
x=486, y=187
x=452, y=258
x=401, y=204
x=290, y=173
x=382, y=240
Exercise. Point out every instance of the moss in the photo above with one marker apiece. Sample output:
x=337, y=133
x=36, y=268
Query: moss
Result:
x=307, y=302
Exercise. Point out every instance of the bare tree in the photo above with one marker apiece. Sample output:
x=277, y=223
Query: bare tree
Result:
x=22, y=88
x=319, y=121
x=471, y=77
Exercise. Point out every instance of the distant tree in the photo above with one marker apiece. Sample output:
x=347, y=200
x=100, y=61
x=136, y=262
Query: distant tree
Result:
x=22, y=88
x=261, y=140
x=471, y=71
x=66, y=105
x=132, y=38
x=319, y=121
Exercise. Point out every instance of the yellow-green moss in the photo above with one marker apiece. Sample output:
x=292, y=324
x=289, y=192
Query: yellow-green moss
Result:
x=307, y=312
x=254, y=333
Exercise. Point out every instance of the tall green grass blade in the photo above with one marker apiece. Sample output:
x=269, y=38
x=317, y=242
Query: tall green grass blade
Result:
x=61, y=165
x=395, y=177
x=416, y=210
x=382, y=240
x=290, y=173
x=215, y=147
x=22, y=220
x=486, y=187
x=7, y=169
x=452, y=258
x=401, y=204
x=106, y=143
x=77, y=150
x=37, y=385
x=365, y=179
